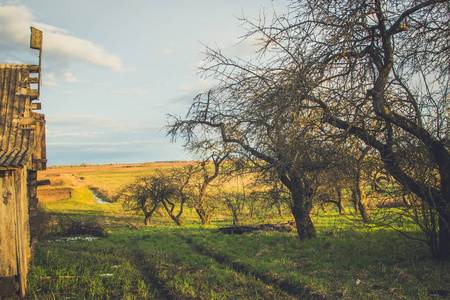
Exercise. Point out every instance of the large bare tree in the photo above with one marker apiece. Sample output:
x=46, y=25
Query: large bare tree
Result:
x=249, y=111
x=379, y=70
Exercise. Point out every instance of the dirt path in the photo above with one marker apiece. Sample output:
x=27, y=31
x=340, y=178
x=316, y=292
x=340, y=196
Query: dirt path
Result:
x=294, y=291
x=151, y=279
x=75, y=181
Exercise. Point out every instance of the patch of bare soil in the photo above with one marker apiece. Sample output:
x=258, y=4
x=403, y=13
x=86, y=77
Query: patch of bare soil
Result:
x=60, y=187
x=53, y=194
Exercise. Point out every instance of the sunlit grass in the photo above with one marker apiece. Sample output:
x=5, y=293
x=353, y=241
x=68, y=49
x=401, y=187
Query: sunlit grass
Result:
x=348, y=260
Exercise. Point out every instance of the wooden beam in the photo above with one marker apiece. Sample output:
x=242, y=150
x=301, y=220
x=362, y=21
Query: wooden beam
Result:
x=33, y=94
x=34, y=106
x=33, y=79
x=33, y=68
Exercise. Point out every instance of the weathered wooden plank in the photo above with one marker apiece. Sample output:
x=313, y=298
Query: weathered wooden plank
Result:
x=40, y=148
x=5, y=77
x=33, y=68
x=34, y=106
x=23, y=230
x=33, y=94
x=8, y=253
x=33, y=80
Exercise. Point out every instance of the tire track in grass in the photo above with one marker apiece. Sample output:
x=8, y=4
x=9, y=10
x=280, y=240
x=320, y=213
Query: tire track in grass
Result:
x=296, y=291
x=151, y=278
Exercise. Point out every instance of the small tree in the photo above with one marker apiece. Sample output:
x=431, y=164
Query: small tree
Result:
x=174, y=191
x=139, y=196
x=204, y=177
x=164, y=189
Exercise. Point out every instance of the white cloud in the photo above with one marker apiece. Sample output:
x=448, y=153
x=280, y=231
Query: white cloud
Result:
x=71, y=120
x=15, y=21
x=166, y=51
x=136, y=146
x=200, y=86
x=123, y=143
x=68, y=76
x=67, y=46
x=49, y=80
x=13, y=62
x=160, y=105
x=138, y=91
x=58, y=133
x=84, y=123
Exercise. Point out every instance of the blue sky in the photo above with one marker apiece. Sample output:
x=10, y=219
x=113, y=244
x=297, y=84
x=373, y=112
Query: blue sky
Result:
x=113, y=70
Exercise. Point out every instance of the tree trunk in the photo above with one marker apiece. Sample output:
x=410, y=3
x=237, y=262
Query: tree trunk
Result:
x=444, y=236
x=442, y=206
x=148, y=214
x=355, y=206
x=204, y=217
x=236, y=221
x=365, y=213
x=147, y=219
x=340, y=202
x=304, y=224
x=360, y=206
x=177, y=220
x=301, y=206
x=341, y=207
x=279, y=208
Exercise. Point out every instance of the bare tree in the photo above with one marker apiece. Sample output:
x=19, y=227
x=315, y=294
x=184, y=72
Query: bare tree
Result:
x=247, y=111
x=175, y=191
x=213, y=156
x=139, y=196
x=357, y=170
x=168, y=190
x=379, y=70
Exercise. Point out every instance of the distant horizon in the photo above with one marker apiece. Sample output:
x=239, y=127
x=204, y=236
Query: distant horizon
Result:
x=121, y=164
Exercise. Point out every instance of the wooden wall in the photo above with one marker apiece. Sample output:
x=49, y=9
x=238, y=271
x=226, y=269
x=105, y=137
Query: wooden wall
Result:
x=15, y=251
x=22, y=154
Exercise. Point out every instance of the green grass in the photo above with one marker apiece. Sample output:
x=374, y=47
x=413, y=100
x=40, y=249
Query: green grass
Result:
x=195, y=262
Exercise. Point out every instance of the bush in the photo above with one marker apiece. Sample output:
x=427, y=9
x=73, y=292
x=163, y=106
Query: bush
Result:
x=43, y=222
x=62, y=225
x=81, y=227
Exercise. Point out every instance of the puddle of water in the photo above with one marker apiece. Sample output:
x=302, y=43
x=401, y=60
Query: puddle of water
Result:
x=99, y=199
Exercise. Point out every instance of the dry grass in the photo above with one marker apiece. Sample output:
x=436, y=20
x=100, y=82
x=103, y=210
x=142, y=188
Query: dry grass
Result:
x=108, y=179
x=105, y=178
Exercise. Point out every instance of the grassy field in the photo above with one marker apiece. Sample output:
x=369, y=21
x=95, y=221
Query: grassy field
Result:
x=347, y=261
x=105, y=178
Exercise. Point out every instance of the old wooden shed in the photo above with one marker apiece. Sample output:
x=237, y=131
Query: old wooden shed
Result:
x=22, y=154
